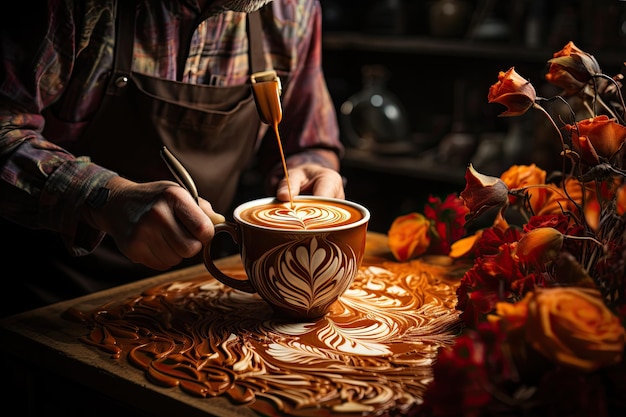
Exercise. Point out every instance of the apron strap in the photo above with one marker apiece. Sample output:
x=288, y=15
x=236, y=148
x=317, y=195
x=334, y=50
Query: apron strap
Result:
x=124, y=42
x=255, y=41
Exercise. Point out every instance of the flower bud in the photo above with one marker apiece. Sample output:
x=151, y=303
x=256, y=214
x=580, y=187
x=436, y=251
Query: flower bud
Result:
x=514, y=92
x=409, y=236
x=539, y=245
x=483, y=192
x=572, y=68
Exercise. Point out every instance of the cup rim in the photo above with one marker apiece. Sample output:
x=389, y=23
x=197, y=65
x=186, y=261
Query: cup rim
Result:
x=265, y=200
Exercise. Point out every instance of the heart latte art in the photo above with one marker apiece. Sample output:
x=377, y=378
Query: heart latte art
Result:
x=302, y=215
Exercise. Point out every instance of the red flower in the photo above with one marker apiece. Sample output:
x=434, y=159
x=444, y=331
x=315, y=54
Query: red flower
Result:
x=493, y=238
x=559, y=222
x=464, y=383
x=448, y=218
x=460, y=374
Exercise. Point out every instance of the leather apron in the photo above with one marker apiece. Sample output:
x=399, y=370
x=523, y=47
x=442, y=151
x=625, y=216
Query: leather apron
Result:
x=213, y=130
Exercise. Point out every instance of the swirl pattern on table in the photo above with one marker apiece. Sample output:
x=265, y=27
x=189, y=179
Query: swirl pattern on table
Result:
x=371, y=354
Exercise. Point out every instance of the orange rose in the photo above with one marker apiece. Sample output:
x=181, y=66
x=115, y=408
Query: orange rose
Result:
x=571, y=68
x=558, y=200
x=409, y=236
x=514, y=92
x=572, y=326
x=597, y=136
x=523, y=177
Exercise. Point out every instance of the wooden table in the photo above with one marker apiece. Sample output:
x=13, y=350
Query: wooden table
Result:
x=51, y=369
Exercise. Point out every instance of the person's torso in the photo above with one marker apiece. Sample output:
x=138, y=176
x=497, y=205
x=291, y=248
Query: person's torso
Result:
x=200, y=107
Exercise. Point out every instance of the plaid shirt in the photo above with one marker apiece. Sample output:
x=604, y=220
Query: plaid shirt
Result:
x=62, y=56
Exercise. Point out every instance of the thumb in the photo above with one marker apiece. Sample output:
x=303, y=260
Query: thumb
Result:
x=217, y=218
x=208, y=209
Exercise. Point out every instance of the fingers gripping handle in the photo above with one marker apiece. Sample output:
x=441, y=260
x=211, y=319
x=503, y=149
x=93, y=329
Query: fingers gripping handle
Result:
x=238, y=284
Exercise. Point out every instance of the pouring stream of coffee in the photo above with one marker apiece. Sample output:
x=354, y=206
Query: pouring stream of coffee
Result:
x=266, y=88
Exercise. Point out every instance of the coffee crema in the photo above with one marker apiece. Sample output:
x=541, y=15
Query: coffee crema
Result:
x=302, y=214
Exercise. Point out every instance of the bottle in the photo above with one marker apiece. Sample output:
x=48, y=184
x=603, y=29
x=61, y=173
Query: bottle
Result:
x=449, y=18
x=374, y=118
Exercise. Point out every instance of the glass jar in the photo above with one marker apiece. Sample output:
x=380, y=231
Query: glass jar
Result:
x=374, y=118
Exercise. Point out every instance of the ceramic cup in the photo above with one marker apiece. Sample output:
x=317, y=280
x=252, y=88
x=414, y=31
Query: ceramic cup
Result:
x=298, y=259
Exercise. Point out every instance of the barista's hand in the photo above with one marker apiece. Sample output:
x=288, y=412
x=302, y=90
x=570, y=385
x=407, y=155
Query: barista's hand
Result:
x=311, y=179
x=157, y=223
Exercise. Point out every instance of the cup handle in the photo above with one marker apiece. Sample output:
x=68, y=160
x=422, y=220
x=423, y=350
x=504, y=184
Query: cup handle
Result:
x=238, y=284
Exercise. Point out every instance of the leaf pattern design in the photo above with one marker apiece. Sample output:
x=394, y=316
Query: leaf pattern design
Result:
x=313, y=274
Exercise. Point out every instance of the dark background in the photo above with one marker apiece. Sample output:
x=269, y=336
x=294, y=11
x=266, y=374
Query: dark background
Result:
x=438, y=70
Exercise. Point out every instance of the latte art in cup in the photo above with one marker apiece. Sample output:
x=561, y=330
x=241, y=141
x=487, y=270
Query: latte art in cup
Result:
x=302, y=215
x=299, y=256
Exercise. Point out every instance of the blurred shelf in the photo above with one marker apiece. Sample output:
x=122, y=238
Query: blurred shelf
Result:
x=357, y=41
x=422, y=166
x=433, y=46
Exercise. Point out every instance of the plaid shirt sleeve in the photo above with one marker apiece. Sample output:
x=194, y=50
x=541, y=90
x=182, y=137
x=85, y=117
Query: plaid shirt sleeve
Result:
x=42, y=185
x=61, y=55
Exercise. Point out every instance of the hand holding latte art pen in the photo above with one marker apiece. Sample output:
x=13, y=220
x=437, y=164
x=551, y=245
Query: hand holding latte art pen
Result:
x=184, y=178
x=179, y=172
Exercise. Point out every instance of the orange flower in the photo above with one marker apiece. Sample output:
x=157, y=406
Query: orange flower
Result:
x=571, y=69
x=483, y=192
x=514, y=92
x=621, y=200
x=557, y=200
x=514, y=314
x=464, y=246
x=524, y=176
x=539, y=245
x=409, y=236
x=592, y=212
x=604, y=136
x=572, y=326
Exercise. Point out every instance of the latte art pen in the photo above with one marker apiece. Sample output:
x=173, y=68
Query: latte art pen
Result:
x=180, y=173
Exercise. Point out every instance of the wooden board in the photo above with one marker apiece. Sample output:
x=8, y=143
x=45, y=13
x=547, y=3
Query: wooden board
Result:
x=42, y=340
